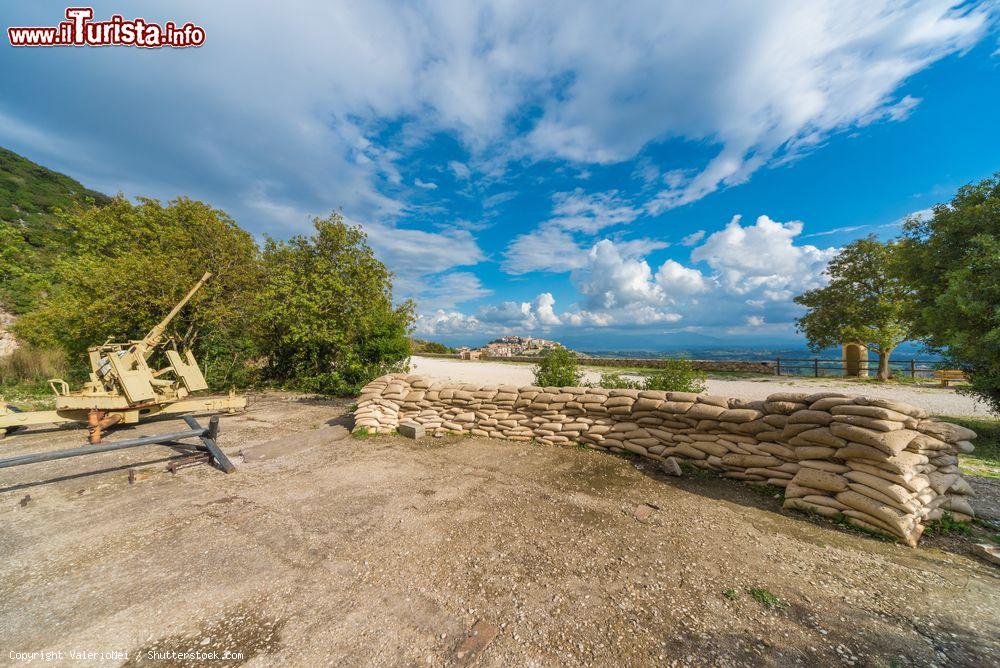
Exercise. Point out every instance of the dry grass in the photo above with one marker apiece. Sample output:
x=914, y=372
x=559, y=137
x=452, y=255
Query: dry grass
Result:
x=32, y=365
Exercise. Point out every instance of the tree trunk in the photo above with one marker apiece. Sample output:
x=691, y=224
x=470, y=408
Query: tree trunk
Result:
x=883, y=365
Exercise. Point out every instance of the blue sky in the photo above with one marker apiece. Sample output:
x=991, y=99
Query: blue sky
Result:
x=615, y=178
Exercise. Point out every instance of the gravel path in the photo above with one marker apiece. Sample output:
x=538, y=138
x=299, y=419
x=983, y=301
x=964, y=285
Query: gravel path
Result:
x=936, y=400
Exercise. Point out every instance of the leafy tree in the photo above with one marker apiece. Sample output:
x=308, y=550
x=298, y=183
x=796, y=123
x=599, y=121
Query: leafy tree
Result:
x=32, y=235
x=676, y=376
x=952, y=261
x=557, y=368
x=866, y=301
x=128, y=264
x=326, y=318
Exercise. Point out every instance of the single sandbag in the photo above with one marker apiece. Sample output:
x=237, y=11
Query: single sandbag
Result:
x=898, y=492
x=946, y=431
x=876, y=412
x=908, y=507
x=814, y=452
x=823, y=465
x=802, y=504
x=748, y=461
x=820, y=436
x=778, y=450
x=830, y=482
x=869, y=423
x=899, y=521
x=810, y=417
x=888, y=442
x=795, y=490
x=827, y=403
x=827, y=501
x=940, y=482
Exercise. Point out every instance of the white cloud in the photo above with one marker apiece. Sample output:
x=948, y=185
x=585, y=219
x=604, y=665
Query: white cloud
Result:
x=759, y=81
x=545, y=249
x=459, y=169
x=763, y=255
x=426, y=185
x=693, y=238
x=448, y=290
x=590, y=213
x=755, y=271
x=514, y=316
x=677, y=280
x=443, y=323
x=543, y=308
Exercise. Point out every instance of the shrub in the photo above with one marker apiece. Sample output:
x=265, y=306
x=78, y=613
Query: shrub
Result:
x=557, y=368
x=676, y=376
x=326, y=321
x=613, y=381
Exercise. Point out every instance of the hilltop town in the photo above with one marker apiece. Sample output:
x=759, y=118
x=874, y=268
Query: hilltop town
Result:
x=510, y=346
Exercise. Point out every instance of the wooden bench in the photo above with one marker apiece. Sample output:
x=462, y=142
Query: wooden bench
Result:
x=948, y=375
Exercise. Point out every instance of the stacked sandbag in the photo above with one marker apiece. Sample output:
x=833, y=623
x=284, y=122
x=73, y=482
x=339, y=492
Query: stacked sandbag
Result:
x=879, y=464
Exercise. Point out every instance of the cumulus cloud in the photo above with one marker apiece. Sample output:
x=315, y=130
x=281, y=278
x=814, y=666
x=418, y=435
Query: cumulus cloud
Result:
x=446, y=323
x=426, y=185
x=511, y=316
x=745, y=274
x=763, y=255
x=543, y=309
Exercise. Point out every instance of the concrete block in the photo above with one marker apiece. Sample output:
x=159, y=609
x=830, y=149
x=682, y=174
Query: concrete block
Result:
x=411, y=430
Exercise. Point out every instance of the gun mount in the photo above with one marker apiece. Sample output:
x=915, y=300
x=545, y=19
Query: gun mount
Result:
x=124, y=389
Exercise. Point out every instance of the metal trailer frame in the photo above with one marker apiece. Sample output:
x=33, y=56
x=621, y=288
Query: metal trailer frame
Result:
x=12, y=418
x=207, y=436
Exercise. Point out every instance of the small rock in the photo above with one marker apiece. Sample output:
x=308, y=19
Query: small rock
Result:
x=671, y=467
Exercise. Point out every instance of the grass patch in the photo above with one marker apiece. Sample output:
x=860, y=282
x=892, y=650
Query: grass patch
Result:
x=772, y=491
x=984, y=462
x=731, y=594
x=362, y=433
x=766, y=598
x=948, y=525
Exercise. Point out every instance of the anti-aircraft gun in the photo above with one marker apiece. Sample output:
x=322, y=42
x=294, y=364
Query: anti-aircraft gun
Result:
x=124, y=389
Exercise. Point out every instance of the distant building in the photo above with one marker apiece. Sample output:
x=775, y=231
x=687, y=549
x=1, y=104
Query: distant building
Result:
x=467, y=354
x=515, y=346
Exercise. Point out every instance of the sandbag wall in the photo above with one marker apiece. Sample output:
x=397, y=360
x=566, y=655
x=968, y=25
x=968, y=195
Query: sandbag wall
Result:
x=880, y=464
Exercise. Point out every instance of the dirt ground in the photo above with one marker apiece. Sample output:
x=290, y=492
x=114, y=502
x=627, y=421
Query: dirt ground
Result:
x=326, y=549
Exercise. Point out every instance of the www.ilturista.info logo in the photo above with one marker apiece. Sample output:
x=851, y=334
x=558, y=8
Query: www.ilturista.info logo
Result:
x=80, y=30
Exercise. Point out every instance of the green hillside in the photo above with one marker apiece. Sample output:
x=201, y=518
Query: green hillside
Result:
x=31, y=234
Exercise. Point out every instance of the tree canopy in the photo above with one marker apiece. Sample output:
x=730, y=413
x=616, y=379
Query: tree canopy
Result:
x=128, y=265
x=866, y=301
x=326, y=316
x=952, y=261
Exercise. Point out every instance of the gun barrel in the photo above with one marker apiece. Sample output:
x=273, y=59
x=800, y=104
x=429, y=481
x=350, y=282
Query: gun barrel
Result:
x=155, y=335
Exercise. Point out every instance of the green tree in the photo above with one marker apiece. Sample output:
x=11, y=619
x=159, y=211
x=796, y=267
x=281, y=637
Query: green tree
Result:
x=557, y=368
x=128, y=264
x=326, y=318
x=952, y=261
x=866, y=301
